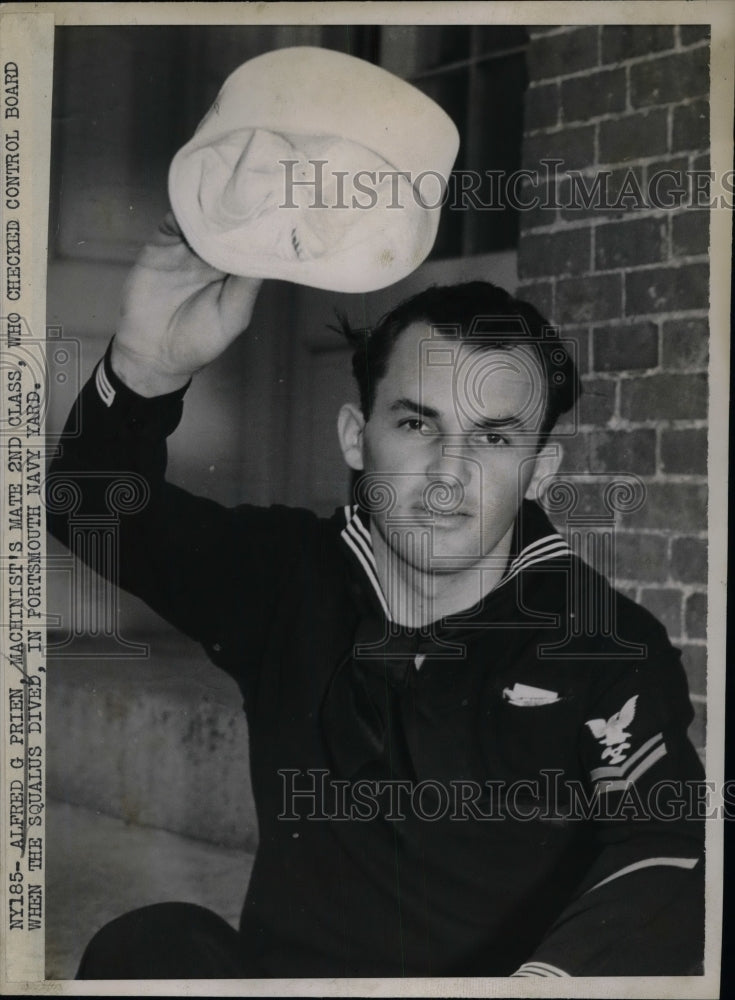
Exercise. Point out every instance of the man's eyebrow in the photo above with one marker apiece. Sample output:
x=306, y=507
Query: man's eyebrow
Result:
x=408, y=404
x=485, y=423
x=491, y=423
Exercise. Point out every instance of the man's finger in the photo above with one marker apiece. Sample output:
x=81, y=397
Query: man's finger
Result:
x=168, y=231
x=237, y=300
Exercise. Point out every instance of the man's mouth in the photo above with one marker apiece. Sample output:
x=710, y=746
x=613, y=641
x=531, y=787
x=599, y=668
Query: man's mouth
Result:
x=441, y=515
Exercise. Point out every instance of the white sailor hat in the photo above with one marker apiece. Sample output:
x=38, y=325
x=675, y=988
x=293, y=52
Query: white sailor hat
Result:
x=315, y=167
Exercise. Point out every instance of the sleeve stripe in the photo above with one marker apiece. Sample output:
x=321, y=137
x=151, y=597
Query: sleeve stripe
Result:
x=688, y=863
x=617, y=786
x=619, y=771
x=105, y=390
x=543, y=969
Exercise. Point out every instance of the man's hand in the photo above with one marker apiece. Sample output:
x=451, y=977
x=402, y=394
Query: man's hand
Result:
x=177, y=315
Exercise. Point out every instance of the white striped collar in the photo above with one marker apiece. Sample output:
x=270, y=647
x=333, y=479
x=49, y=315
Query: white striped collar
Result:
x=104, y=388
x=357, y=536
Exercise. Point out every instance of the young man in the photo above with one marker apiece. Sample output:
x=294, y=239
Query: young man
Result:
x=458, y=768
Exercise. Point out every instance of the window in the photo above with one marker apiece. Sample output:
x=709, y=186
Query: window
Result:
x=478, y=75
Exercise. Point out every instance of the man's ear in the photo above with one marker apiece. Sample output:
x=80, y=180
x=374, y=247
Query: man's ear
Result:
x=546, y=466
x=350, y=427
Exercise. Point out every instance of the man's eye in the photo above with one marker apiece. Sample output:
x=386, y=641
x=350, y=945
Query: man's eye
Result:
x=490, y=438
x=414, y=424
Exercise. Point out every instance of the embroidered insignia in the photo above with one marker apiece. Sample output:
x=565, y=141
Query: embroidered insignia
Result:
x=526, y=695
x=611, y=733
x=617, y=779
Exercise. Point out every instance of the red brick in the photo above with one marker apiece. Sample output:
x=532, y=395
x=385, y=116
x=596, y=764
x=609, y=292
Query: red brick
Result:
x=684, y=452
x=544, y=205
x=611, y=452
x=626, y=40
x=667, y=183
x=540, y=294
x=576, y=340
x=696, y=616
x=582, y=300
x=576, y=446
x=667, y=289
x=691, y=33
x=597, y=404
x=700, y=189
x=678, y=163
x=625, y=244
x=633, y=137
x=575, y=146
x=641, y=557
x=664, y=397
x=542, y=107
x=625, y=348
x=608, y=193
x=665, y=604
x=690, y=233
x=694, y=658
x=680, y=508
x=689, y=560
x=584, y=97
x=670, y=79
x=564, y=252
x=686, y=344
x=691, y=127
x=702, y=162
x=590, y=502
x=623, y=451
x=565, y=429
x=556, y=55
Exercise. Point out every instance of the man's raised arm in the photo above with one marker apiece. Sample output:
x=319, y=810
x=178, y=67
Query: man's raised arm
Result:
x=178, y=314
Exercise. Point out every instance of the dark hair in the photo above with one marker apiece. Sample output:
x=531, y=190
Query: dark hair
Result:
x=476, y=309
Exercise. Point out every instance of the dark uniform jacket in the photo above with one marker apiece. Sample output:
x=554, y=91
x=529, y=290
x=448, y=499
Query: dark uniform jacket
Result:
x=507, y=790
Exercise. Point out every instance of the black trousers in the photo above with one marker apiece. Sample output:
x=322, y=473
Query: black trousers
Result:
x=167, y=941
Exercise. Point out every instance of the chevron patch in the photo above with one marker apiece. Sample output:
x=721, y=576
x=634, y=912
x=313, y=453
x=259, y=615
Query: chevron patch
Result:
x=618, y=778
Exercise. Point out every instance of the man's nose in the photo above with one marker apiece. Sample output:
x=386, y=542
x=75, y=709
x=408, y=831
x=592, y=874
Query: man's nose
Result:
x=449, y=465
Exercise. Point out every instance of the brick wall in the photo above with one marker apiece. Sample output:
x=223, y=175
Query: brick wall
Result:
x=627, y=279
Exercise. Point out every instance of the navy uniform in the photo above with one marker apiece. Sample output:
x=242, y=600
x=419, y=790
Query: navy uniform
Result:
x=503, y=793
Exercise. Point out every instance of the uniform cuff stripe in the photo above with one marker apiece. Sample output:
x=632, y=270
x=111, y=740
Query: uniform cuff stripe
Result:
x=687, y=863
x=542, y=969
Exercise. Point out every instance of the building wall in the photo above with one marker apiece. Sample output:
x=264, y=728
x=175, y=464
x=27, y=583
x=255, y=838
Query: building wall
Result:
x=627, y=280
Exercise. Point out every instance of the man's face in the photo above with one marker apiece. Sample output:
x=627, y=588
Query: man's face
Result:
x=453, y=437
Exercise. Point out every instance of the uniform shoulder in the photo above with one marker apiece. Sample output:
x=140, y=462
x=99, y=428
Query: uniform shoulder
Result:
x=610, y=615
x=294, y=530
